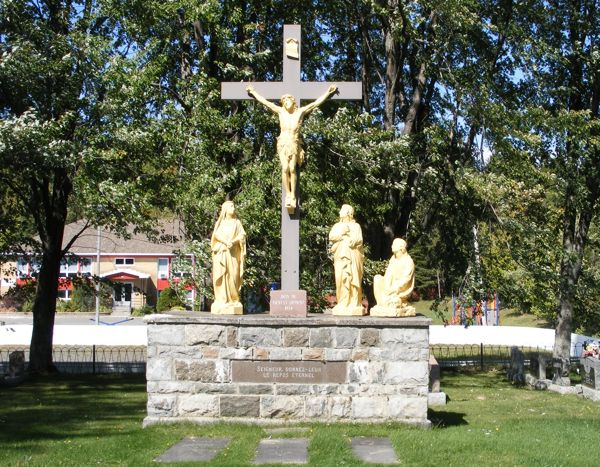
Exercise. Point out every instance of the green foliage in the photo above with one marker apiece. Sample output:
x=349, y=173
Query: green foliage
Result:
x=168, y=300
x=143, y=311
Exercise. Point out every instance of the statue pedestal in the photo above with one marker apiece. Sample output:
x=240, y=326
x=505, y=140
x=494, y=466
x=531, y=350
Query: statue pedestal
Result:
x=262, y=369
x=339, y=310
x=227, y=308
x=392, y=312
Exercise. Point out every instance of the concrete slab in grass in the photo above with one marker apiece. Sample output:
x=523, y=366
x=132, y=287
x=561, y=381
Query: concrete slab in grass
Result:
x=194, y=450
x=282, y=451
x=374, y=450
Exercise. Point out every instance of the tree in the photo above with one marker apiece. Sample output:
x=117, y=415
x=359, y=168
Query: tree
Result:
x=62, y=134
x=562, y=65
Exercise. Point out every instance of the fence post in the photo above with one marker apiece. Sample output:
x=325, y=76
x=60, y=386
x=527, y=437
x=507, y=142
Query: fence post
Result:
x=481, y=355
x=94, y=359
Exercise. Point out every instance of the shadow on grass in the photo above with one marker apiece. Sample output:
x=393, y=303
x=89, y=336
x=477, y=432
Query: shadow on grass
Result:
x=441, y=419
x=56, y=407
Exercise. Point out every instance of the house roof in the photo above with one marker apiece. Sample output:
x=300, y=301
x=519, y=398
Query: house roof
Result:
x=170, y=239
x=125, y=274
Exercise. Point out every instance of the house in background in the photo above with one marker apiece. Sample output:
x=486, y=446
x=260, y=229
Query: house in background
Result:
x=137, y=268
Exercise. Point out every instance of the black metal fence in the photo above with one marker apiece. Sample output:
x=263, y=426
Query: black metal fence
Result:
x=92, y=359
x=95, y=359
x=486, y=356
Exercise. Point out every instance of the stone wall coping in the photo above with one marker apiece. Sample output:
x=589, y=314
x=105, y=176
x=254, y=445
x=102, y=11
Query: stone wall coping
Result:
x=264, y=319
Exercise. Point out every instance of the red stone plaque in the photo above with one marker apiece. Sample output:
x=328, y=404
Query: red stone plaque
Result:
x=288, y=303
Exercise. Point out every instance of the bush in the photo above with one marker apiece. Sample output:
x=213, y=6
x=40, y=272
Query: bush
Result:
x=145, y=310
x=168, y=299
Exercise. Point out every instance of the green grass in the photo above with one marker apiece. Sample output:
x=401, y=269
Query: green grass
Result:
x=508, y=317
x=97, y=421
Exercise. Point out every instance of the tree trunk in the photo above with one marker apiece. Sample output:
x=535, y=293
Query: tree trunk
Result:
x=44, y=309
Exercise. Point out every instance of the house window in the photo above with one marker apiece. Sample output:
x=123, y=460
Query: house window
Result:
x=22, y=268
x=27, y=268
x=181, y=267
x=124, y=261
x=69, y=267
x=163, y=268
x=85, y=267
x=64, y=295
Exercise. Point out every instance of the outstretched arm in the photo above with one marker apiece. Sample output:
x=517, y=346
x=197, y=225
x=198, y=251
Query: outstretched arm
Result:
x=269, y=105
x=313, y=105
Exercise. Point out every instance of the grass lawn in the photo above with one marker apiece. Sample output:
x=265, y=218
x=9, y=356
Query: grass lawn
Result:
x=97, y=421
x=508, y=317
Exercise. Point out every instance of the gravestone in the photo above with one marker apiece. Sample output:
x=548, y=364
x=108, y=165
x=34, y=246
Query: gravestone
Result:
x=374, y=450
x=282, y=451
x=194, y=450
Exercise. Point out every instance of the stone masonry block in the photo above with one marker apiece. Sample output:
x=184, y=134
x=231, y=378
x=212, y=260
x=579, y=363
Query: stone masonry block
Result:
x=196, y=334
x=341, y=406
x=345, y=338
x=232, y=337
x=407, y=407
x=295, y=337
x=255, y=388
x=406, y=373
x=337, y=355
x=414, y=336
x=321, y=337
x=235, y=354
x=159, y=369
x=161, y=404
x=282, y=407
x=317, y=407
x=203, y=371
x=199, y=405
x=293, y=353
x=261, y=337
x=369, y=407
x=240, y=406
x=293, y=389
x=261, y=354
x=312, y=354
x=369, y=337
x=173, y=334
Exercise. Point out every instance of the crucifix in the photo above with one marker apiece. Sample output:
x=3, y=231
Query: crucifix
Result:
x=291, y=90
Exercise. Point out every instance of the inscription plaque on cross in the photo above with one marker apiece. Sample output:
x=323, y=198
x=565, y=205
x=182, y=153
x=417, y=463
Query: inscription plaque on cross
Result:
x=291, y=84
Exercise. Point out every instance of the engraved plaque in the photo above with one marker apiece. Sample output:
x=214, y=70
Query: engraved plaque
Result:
x=292, y=48
x=288, y=303
x=297, y=372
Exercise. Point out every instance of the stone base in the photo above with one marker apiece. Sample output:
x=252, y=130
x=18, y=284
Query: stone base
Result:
x=436, y=399
x=206, y=368
x=564, y=389
x=234, y=308
x=340, y=310
x=392, y=312
x=591, y=394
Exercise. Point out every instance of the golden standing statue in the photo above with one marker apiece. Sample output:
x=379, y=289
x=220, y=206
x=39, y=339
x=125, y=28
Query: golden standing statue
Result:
x=348, y=257
x=228, y=245
x=289, y=142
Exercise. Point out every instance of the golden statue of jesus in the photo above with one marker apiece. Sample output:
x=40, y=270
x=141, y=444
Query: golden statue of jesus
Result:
x=289, y=142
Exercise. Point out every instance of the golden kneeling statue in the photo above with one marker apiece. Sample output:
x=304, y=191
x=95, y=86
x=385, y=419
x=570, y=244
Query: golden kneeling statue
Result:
x=394, y=288
x=228, y=245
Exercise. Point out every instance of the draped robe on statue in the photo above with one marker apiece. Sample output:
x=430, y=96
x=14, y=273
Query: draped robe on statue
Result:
x=348, y=255
x=228, y=262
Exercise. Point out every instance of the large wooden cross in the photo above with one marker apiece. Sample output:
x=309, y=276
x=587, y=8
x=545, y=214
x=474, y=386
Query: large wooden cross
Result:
x=301, y=90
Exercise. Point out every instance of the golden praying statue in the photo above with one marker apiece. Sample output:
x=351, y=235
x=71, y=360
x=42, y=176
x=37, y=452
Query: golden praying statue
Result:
x=289, y=142
x=393, y=290
x=228, y=245
x=348, y=257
